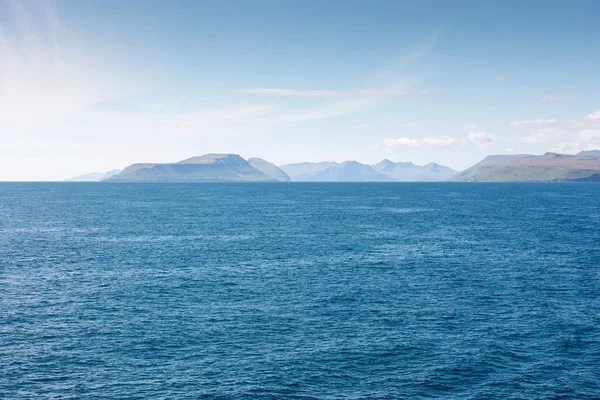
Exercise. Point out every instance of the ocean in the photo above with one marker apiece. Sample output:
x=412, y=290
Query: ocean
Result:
x=302, y=290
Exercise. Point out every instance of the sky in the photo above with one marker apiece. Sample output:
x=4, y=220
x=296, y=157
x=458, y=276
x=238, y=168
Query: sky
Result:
x=90, y=86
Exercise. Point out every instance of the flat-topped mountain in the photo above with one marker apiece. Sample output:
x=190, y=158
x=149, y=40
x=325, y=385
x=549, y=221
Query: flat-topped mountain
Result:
x=269, y=169
x=409, y=172
x=206, y=168
x=550, y=167
x=94, y=176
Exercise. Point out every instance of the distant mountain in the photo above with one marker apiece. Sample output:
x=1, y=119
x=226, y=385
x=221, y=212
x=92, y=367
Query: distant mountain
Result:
x=550, y=167
x=348, y=171
x=303, y=171
x=94, y=176
x=409, y=172
x=269, y=169
x=589, y=153
x=479, y=170
x=206, y=168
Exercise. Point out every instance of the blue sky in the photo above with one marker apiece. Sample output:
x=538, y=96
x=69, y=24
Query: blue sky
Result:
x=92, y=86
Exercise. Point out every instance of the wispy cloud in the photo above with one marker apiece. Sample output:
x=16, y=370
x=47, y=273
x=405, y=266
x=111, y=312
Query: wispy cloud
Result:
x=328, y=110
x=388, y=81
x=540, y=121
x=384, y=91
x=45, y=75
x=361, y=126
x=290, y=92
x=412, y=125
x=544, y=121
x=221, y=115
x=469, y=126
x=555, y=97
x=501, y=78
x=517, y=124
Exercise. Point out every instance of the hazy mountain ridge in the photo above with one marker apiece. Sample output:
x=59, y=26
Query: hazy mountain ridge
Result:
x=94, y=176
x=303, y=171
x=348, y=171
x=269, y=169
x=384, y=171
x=409, y=172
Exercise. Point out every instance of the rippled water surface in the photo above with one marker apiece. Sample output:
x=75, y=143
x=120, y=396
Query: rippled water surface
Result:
x=299, y=290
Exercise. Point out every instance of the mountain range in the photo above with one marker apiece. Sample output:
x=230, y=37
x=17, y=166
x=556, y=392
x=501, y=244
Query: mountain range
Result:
x=384, y=171
x=550, y=167
x=409, y=172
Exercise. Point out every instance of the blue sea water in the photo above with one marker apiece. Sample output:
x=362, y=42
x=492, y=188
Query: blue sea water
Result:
x=324, y=291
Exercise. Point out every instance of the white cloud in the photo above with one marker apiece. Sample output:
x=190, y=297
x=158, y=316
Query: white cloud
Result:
x=544, y=121
x=510, y=150
x=542, y=135
x=594, y=115
x=500, y=78
x=290, y=92
x=584, y=140
x=479, y=138
x=404, y=143
x=568, y=136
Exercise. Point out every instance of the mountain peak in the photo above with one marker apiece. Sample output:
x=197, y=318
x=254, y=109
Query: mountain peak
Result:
x=385, y=163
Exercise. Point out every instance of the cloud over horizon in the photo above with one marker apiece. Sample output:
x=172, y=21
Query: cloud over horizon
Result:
x=404, y=143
